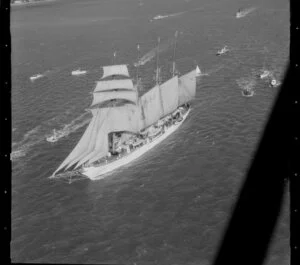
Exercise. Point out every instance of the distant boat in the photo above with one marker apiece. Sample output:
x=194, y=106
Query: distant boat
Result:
x=247, y=92
x=274, y=83
x=78, y=72
x=55, y=136
x=34, y=77
x=159, y=17
x=265, y=74
x=198, y=71
x=245, y=12
x=222, y=51
x=239, y=14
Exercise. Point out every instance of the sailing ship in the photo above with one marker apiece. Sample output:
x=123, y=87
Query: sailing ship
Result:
x=125, y=124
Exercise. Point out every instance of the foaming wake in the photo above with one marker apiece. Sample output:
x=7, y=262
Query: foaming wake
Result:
x=247, y=85
x=32, y=137
x=68, y=128
x=38, y=134
x=245, y=12
x=158, y=17
x=166, y=16
x=151, y=54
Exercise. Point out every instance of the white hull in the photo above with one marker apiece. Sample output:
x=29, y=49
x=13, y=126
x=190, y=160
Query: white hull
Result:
x=78, y=72
x=32, y=78
x=94, y=173
x=265, y=74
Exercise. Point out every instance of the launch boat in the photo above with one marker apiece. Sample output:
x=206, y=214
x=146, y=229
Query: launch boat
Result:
x=124, y=124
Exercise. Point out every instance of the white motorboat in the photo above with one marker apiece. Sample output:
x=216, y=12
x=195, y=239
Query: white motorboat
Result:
x=78, y=72
x=34, y=77
x=55, y=136
x=264, y=74
x=223, y=51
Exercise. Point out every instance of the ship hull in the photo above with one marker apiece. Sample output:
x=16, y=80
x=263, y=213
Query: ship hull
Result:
x=95, y=173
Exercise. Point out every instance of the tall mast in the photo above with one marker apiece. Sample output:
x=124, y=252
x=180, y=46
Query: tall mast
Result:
x=174, y=54
x=157, y=59
x=137, y=72
x=138, y=59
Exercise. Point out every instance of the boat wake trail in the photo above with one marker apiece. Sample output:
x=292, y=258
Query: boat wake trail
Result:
x=40, y=133
x=245, y=12
x=158, y=17
x=167, y=16
x=31, y=138
x=68, y=128
x=151, y=54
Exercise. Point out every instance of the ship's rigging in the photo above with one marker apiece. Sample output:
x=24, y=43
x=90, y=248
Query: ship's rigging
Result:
x=134, y=115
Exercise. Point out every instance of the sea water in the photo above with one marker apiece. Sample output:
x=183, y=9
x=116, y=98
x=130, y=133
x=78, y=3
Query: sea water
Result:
x=171, y=205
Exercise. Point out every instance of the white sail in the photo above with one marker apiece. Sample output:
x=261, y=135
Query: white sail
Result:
x=100, y=145
x=198, y=71
x=170, y=95
x=93, y=140
x=122, y=118
x=115, y=70
x=87, y=141
x=114, y=84
x=100, y=97
x=151, y=106
x=187, y=87
x=81, y=145
x=125, y=118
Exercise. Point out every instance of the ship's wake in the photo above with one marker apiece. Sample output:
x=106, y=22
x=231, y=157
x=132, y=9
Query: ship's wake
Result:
x=168, y=15
x=68, y=128
x=41, y=132
x=151, y=54
x=158, y=17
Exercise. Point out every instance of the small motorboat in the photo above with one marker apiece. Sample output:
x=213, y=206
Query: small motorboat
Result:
x=264, y=74
x=247, y=92
x=34, y=77
x=55, y=136
x=222, y=51
x=78, y=72
x=274, y=83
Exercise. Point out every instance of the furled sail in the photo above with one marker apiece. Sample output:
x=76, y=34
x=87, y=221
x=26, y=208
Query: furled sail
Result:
x=82, y=144
x=114, y=84
x=115, y=70
x=170, y=95
x=151, y=106
x=187, y=87
x=100, y=97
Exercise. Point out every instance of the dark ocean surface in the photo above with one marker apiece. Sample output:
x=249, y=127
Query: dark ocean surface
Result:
x=170, y=206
